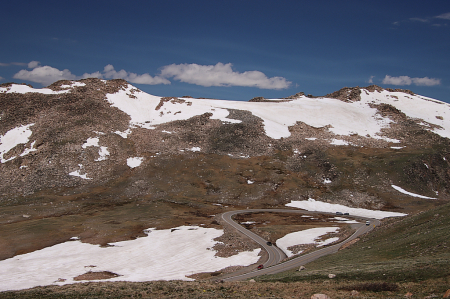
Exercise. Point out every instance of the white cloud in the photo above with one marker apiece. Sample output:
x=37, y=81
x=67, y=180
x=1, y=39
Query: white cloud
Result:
x=1, y=78
x=445, y=16
x=221, y=75
x=47, y=75
x=33, y=64
x=406, y=80
x=371, y=79
x=92, y=75
x=425, y=81
x=204, y=75
x=110, y=73
x=401, y=80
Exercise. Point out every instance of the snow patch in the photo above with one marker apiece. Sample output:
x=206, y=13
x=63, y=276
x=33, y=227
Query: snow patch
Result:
x=103, y=152
x=14, y=137
x=134, y=161
x=29, y=150
x=16, y=88
x=308, y=236
x=161, y=255
x=195, y=149
x=123, y=134
x=91, y=142
x=338, y=142
x=248, y=222
x=73, y=84
x=313, y=205
x=345, y=220
x=409, y=193
x=77, y=173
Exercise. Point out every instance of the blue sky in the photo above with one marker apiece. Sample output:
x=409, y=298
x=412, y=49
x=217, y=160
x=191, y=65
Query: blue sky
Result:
x=233, y=50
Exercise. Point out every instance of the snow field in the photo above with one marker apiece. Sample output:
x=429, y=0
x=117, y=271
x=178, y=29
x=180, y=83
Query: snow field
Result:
x=169, y=254
x=143, y=114
x=308, y=236
x=278, y=116
x=313, y=205
x=415, y=106
x=17, y=88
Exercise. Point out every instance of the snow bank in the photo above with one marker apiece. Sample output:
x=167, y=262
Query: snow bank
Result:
x=308, y=236
x=91, y=142
x=339, y=142
x=415, y=106
x=14, y=137
x=17, y=88
x=77, y=173
x=409, y=193
x=141, y=107
x=161, y=255
x=123, y=134
x=134, y=161
x=73, y=84
x=313, y=205
x=345, y=220
x=103, y=152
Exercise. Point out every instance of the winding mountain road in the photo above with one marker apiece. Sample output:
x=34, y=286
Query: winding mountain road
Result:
x=276, y=255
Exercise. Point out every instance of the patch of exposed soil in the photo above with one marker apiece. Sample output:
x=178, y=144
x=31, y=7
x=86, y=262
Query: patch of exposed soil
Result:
x=91, y=275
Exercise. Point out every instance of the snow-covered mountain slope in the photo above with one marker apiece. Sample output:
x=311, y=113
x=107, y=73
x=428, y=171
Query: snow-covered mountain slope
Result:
x=342, y=118
x=87, y=133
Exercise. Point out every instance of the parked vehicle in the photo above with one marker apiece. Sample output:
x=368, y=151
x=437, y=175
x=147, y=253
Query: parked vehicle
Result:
x=339, y=213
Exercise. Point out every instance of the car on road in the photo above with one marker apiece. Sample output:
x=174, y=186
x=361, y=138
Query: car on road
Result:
x=339, y=213
x=269, y=243
x=260, y=267
x=367, y=222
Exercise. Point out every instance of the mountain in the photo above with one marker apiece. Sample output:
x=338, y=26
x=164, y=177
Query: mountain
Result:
x=104, y=160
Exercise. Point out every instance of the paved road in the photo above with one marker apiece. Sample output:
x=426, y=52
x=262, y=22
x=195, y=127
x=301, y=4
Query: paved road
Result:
x=276, y=255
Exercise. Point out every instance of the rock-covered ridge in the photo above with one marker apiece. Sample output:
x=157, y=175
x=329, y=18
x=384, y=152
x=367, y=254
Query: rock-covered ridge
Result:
x=94, y=132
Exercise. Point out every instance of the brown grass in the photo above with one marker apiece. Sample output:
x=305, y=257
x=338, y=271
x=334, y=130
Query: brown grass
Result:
x=96, y=275
x=204, y=289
